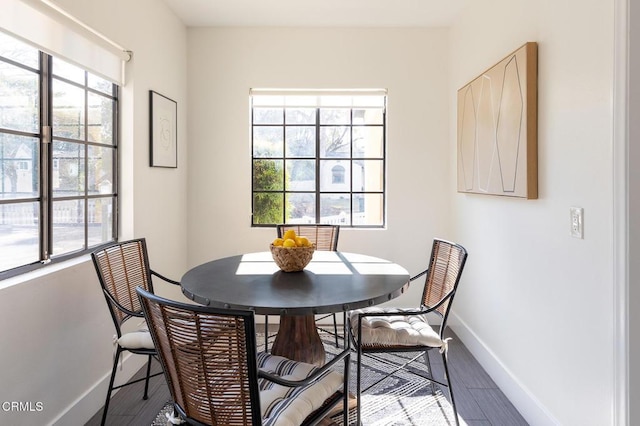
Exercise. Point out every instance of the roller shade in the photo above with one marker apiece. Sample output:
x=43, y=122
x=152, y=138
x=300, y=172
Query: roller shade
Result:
x=57, y=33
x=328, y=98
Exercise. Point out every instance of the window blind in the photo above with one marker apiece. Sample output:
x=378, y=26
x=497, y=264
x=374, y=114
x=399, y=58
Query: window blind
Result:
x=57, y=33
x=326, y=98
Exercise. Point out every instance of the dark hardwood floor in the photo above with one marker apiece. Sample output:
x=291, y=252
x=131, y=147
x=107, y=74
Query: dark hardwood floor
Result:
x=480, y=402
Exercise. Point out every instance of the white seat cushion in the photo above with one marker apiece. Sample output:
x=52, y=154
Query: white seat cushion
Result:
x=139, y=339
x=289, y=406
x=401, y=330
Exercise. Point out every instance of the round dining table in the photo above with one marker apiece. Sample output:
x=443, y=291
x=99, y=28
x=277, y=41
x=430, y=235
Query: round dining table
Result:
x=332, y=282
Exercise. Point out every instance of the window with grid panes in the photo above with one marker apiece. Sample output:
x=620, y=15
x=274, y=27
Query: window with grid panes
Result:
x=318, y=157
x=58, y=158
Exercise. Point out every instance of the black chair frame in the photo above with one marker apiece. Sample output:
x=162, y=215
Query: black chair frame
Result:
x=121, y=314
x=440, y=309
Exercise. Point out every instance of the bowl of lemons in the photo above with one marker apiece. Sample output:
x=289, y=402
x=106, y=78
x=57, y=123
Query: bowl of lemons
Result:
x=292, y=252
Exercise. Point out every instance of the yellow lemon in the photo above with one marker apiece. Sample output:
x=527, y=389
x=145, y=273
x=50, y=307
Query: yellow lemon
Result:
x=289, y=235
x=278, y=242
x=302, y=242
x=289, y=243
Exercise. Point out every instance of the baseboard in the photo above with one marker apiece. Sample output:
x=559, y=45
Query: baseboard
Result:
x=525, y=402
x=88, y=404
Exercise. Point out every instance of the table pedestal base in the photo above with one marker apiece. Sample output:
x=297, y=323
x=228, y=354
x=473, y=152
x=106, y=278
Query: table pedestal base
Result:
x=298, y=340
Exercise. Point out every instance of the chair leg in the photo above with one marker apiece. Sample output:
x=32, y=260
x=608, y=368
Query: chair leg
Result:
x=335, y=329
x=358, y=387
x=146, y=382
x=266, y=333
x=427, y=362
x=453, y=402
x=113, y=377
x=345, y=399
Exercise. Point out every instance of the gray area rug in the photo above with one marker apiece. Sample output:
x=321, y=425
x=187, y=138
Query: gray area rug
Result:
x=403, y=399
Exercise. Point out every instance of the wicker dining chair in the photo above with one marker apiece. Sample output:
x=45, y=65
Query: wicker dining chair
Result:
x=325, y=237
x=122, y=267
x=216, y=376
x=389, y=330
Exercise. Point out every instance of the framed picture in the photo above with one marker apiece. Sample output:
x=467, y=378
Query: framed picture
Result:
x=498, y=128
x=162, y=131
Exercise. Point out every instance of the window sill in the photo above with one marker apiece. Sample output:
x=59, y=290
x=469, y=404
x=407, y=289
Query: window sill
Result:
x=43, y=271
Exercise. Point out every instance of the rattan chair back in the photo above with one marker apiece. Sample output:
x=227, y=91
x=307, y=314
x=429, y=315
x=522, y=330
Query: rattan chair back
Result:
x=442, y=278
x=121, y=268
x=324, y=236
x=208, y=357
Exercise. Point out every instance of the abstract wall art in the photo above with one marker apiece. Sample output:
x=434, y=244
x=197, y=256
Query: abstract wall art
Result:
x=498, y=128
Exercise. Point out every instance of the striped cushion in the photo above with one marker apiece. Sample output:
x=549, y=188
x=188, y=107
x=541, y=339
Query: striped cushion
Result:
x=282, y=405
x=400, y=330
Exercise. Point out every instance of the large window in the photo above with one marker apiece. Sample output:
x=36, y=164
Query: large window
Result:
x=58, y=159
x=318, y=157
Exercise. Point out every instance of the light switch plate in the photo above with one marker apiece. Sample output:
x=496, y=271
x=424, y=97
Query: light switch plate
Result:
x=576, y=217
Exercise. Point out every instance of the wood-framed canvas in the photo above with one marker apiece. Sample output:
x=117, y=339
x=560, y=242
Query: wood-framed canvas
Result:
x=163, y=151
x=498, y=128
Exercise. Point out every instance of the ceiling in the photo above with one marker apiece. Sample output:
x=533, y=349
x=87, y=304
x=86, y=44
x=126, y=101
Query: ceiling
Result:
x=317, y=13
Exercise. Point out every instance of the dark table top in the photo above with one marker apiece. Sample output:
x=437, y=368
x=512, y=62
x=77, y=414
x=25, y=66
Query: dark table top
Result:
x=332, y=282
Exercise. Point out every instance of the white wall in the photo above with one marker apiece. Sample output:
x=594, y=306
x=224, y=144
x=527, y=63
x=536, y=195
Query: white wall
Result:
x=537, y=305
x=225, y=63
x=57, y=334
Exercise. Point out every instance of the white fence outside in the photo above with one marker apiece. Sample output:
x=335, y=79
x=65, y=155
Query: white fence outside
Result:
x=68, y=212
x=339, y=219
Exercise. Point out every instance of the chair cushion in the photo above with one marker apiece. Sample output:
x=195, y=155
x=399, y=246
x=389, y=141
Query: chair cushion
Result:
x=139, y=339
x=396, y=330
x=282, y=405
